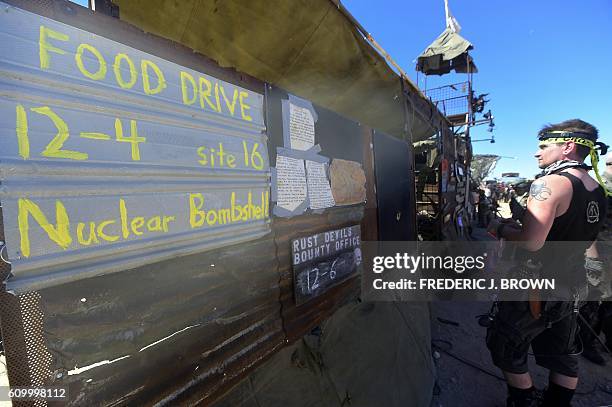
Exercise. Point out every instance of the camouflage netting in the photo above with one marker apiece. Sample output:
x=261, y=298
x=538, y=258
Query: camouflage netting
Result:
x=483, y=165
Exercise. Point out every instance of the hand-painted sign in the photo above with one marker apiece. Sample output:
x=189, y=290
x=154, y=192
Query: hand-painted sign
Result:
x=113, y=158
x=323, y=260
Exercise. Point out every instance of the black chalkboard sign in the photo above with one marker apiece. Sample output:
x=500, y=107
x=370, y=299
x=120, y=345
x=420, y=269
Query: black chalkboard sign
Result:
x=323, y=260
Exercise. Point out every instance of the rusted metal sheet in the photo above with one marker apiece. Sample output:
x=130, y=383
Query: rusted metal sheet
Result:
x=119, y=158
x=167, y=329
x=340, y=138
x=369, y=224
x=198, y=323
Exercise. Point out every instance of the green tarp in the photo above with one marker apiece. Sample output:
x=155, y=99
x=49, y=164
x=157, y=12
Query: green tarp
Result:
x=448, y=52
x=366, y=354
x=307, y=47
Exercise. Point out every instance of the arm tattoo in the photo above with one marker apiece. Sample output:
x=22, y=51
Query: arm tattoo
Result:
x=539, y=191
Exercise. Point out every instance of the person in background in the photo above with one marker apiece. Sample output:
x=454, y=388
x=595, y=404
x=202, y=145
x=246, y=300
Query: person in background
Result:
x=598, y=313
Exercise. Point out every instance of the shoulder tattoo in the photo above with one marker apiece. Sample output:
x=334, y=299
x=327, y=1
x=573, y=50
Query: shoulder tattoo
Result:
x=539, y=191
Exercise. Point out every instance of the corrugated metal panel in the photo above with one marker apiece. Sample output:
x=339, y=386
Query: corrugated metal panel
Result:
x=198, y=322
x=178, y=330
x=113, y=158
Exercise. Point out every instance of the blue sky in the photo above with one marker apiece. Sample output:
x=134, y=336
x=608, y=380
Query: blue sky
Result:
x=541, y=61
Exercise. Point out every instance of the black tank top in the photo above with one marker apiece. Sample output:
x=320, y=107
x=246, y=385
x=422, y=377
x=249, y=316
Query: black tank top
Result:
x=578, y=226
x=584, y=217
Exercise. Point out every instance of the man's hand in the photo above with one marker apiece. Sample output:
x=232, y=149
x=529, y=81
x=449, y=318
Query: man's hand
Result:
x=518, y=211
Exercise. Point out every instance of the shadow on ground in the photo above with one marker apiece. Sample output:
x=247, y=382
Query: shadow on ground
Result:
x=460, y=384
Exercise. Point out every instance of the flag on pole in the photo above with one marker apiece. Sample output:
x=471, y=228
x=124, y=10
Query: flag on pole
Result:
x=451, y=22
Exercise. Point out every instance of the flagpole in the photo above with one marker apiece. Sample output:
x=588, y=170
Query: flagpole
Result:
x=446, y=12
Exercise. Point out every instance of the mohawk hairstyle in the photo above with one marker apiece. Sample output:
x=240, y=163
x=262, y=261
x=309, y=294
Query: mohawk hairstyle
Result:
x=574, y=125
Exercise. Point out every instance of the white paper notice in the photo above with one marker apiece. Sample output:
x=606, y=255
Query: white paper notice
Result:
x=301, y=128
x=319, y=190
x=290, y=182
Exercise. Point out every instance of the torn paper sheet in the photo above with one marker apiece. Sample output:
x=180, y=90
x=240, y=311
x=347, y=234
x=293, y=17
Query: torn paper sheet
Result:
x=290, y=182
x=319, y=191
x=301, y=128
x=347, y=181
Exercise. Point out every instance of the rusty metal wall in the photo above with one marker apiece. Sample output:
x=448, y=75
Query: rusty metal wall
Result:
x=151, y=333
x=179, y=329
x=161, y=325
x=206, y=317
x=339, y=139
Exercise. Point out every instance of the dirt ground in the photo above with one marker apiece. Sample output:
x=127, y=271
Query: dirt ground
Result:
x=460, y=384
x=457, y=335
